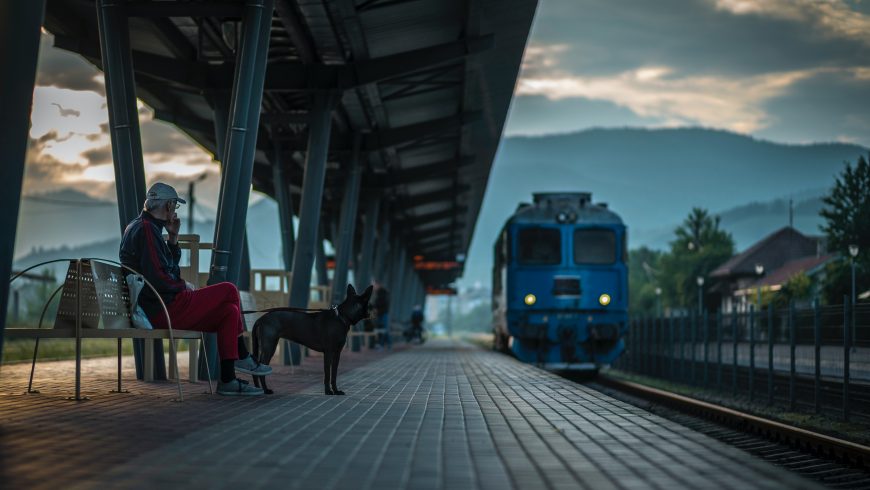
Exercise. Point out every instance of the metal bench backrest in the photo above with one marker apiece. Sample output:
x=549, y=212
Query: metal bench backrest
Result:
x=105, y=296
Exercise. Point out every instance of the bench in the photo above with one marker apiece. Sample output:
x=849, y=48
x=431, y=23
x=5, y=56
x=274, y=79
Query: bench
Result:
x=95, y=304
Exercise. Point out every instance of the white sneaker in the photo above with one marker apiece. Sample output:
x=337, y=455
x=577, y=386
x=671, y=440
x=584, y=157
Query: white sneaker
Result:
x=249, y=366
x=238, y=387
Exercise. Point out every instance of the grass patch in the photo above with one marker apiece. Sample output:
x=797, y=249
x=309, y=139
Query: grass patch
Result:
x=21, y=350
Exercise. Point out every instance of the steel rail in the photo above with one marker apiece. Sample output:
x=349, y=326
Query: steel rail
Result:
x=853, y=453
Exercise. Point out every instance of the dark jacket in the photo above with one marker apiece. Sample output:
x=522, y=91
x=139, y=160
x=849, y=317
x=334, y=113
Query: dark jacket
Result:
x=144, y=250
x=381, y=302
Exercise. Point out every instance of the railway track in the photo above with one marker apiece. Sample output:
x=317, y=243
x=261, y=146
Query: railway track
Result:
x=833, y=462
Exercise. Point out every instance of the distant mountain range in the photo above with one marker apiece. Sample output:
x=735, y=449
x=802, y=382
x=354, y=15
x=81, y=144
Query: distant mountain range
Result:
x=652, y=178
x=67, y=224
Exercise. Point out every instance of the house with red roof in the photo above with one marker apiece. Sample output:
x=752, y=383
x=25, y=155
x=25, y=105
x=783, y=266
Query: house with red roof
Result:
x=767, y=266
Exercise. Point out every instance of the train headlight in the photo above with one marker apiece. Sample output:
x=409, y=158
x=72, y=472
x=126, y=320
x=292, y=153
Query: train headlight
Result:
x=604, y=299
x=530, y=299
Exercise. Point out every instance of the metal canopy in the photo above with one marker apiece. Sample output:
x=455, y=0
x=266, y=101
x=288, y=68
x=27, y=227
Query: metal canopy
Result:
x=427, y=82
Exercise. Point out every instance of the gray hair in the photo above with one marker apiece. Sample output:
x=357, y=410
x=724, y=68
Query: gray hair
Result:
x=152, y=204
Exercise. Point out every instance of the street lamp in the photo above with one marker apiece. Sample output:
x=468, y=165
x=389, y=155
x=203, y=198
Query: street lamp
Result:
x=192, y=200
x=759, y=271
x=658, y=302
x=700, y=281
x=853, y=252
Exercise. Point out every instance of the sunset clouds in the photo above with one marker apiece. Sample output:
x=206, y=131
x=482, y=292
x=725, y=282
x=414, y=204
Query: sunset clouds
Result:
x=789, y=70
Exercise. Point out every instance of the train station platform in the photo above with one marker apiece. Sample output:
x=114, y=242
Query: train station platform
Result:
x=444, y=415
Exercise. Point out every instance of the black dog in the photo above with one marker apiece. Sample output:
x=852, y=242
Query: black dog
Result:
x=324, y=331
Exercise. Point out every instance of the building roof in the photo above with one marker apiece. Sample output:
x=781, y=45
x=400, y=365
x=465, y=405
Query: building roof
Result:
x=773, y=251
x=428, y=83
x=807, y=265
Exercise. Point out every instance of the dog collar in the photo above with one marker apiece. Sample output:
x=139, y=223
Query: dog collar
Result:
x=347, y=323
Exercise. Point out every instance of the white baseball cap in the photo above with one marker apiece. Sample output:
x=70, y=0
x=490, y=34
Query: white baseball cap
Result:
x=164, y=192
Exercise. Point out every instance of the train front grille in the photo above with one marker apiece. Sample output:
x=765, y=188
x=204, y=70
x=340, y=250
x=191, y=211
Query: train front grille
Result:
x=566, y=286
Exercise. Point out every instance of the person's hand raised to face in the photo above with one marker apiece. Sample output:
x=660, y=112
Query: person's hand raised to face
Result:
x=173, y=224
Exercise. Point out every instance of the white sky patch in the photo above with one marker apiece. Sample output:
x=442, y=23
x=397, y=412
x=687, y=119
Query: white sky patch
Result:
x=542, y=57
x=834, y=16
x=47, y=117
x=103, y=173
x=655, y=92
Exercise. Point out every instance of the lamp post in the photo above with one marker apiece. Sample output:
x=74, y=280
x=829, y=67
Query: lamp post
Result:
x=700, y=281
x=658, y=302
x=192, y=199
x=853, y=253
x=759, y=271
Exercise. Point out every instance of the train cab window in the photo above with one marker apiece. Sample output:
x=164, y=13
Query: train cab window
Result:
x=594, y=246
x=540, y=246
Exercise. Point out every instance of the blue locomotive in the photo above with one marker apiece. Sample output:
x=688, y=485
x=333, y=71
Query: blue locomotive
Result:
x=560, y=283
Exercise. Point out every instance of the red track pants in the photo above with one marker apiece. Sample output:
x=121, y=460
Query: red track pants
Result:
x=215, y=308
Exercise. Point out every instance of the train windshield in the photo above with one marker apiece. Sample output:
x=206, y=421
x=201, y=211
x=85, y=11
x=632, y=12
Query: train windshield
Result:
x=594, y=246
x=540, y=246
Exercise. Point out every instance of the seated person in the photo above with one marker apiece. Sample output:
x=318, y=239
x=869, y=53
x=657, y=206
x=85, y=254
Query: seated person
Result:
x=215, y=308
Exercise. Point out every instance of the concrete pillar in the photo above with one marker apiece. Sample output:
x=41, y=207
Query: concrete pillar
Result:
x=312, y=194
x=19, y=49
x=241, y=136
x=347, y=224
x=364, y=266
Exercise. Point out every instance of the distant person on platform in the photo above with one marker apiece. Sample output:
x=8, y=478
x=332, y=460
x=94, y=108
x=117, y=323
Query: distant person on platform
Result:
x=215, y=308
x=381, y=304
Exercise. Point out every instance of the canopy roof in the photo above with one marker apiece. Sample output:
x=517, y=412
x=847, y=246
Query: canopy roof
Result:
x=427, y=82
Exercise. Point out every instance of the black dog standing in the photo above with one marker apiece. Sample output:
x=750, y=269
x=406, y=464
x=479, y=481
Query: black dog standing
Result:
x=323, y=331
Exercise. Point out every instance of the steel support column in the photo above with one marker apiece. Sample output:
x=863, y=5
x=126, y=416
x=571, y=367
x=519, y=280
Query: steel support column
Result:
x=238, y=162
x=19, y=50
x=384, y=250
x=363, y=272
x=312, y=196
x=397, y=284
x=285, y=206
x=288, y=238
x=114, y=33
x=244, y=279
x=320, y=259
x=221, y=106
x=347, y=224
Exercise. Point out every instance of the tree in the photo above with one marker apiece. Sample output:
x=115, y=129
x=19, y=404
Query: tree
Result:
x=798, y=287
x=643, y=279
x=847, y=222
x=699, y=247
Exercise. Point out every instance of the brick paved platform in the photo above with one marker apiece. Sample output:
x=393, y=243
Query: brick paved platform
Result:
x=446, y=415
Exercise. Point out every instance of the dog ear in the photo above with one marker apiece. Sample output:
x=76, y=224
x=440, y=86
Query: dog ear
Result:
x=350, y=290
x=368, y=293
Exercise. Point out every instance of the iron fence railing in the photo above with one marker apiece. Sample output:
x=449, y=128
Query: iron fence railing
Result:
x=811, y=359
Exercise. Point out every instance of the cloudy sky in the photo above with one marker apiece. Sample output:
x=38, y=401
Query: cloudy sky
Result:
x=787, y=70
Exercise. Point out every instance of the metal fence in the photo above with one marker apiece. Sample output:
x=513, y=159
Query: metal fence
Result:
x=812, y=359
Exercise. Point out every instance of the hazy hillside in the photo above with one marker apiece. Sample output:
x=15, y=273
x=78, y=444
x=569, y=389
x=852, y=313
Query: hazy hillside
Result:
x=651, y=177
x=52, y=228
x=654, y=177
